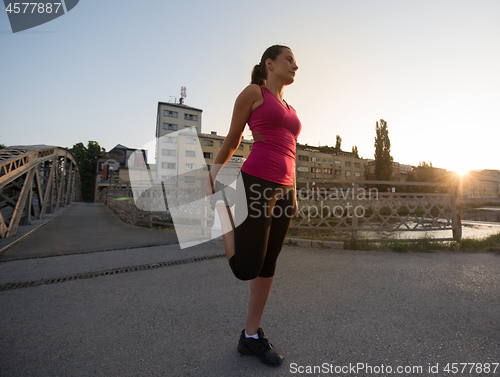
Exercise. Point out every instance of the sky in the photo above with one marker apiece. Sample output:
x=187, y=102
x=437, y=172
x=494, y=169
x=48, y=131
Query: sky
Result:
x=428, y=68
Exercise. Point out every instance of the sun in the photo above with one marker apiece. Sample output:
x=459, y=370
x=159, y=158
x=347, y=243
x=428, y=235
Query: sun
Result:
x=461, y=172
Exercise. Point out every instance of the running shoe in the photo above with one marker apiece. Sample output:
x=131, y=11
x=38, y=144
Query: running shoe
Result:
x=261, y=348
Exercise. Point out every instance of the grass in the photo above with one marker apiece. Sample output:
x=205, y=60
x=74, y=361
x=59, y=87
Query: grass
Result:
x=427, y=245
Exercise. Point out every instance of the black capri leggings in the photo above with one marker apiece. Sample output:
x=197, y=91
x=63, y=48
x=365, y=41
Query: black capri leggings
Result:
x=259, y=238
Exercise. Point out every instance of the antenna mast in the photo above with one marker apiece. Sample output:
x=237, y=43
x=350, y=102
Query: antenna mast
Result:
x=183, y=95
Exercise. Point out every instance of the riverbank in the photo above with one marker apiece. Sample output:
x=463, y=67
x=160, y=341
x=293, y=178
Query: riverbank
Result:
x=425, y=244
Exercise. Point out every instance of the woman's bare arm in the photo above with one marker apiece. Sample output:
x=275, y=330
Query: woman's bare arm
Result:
x=241, y=112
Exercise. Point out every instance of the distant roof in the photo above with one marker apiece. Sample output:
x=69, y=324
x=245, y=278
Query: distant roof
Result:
x=178, y=105
x=220, y=137
x=31, y=147
x=120, y=146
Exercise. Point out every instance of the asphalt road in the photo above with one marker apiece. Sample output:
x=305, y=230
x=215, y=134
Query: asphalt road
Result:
x=329, y=311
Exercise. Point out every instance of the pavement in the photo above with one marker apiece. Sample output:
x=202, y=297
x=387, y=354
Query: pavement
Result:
x=83, y=228
x=144, y=314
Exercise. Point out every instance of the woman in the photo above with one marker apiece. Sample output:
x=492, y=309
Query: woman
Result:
x=268, y=177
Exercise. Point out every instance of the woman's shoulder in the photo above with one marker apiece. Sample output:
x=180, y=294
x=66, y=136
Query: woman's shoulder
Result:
x=253, y=90
x=251, y=94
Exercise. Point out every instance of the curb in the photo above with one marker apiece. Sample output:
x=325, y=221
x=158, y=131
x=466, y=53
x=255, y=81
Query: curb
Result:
x=317, y=244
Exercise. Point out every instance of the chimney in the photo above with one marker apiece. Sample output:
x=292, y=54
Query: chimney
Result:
x=213, y=133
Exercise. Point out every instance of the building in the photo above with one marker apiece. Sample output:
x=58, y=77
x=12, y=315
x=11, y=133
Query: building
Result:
x=176, y=126
x=327, y=167
x=400, y=172
x=211, y=144
x=114, y=168
x=481, y=184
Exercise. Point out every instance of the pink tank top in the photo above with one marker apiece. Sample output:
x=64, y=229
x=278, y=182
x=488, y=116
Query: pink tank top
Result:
x=275, y=129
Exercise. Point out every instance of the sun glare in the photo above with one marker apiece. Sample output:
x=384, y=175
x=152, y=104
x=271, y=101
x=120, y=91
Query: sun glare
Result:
x=462, y=172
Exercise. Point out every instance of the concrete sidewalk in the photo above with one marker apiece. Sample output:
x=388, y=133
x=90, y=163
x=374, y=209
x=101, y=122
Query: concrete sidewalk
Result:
x=327, y=307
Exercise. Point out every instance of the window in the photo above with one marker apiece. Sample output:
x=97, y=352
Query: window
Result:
x=328, y=160
x=315, y=170
x=316, y=159
x=207, y=167
x=190, y=166
x=208, y=143
x=190, y=153
x=168, y=165
x=337, y=162
x=250, y=147
x=169, y=152
x=191, y=117
x=348, y=164
x=169, y=139
x=357, y=174
x=188, y=179
x=168, y=126
x=171, y=114
x=190, y=129
x=327, y=171
x=303, y=158
x=347, y=173
x=357, y=165
x=240, y=147
x=190, y=140
x=303, y=168
x=338, y=172
x=208, y=155
x=221, y=143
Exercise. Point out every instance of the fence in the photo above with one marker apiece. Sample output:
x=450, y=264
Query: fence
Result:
x=366, y=206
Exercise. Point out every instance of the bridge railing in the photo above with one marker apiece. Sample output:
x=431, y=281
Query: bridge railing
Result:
x=364, y=208
x=376, y=207
x=35, y=180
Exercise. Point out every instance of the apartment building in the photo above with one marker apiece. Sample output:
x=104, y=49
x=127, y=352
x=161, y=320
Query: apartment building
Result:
x=211, y=144
x=482, y=184
x=400, y=172
x=327, y=167
x=177, y=127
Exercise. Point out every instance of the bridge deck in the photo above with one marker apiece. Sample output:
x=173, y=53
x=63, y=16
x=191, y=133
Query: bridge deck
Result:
x=83, y=228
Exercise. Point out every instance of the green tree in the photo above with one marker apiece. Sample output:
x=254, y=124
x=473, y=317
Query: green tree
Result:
x=424, y=172
x=87, y=158
x=338, y=142
x=383, y=158
x=355, y=151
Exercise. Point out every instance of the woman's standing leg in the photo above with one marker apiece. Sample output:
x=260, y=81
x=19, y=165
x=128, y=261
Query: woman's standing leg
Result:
x=260, y=287
x=259, y=293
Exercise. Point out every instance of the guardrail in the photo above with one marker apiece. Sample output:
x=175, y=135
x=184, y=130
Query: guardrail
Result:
x=366, y=206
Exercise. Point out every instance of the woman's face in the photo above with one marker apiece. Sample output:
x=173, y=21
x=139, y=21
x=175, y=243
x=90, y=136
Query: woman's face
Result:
x=283, y=67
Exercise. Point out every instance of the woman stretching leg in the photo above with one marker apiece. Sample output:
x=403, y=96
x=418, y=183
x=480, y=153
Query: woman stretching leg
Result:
x=268, y=183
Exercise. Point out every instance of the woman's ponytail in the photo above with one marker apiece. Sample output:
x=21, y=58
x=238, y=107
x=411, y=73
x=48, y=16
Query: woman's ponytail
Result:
x=257, y=76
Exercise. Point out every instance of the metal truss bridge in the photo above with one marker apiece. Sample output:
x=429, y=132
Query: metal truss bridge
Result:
x=35, y=180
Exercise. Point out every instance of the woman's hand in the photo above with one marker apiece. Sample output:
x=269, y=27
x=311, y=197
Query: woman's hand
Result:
x=209, y=186
x=295, y=207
